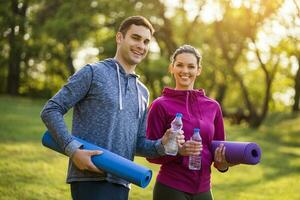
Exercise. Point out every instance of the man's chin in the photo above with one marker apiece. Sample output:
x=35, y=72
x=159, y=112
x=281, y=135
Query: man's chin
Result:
x=136, y=61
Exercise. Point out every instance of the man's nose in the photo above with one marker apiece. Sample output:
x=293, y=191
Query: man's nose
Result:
x=141, y=45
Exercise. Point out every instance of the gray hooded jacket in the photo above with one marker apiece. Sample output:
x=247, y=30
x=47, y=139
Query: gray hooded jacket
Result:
x=110, y=109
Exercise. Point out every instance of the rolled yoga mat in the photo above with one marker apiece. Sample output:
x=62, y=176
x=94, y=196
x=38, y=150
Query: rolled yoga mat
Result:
x=109, y=162
x=239, y=152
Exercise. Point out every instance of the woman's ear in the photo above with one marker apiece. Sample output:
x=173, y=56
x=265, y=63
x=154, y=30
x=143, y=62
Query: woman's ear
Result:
x=199, y=70
x=171, y=68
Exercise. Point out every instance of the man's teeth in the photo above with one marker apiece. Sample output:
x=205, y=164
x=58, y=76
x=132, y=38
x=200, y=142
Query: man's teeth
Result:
x=138, y=53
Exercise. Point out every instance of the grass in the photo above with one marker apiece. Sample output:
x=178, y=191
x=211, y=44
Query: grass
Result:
x=30, y=171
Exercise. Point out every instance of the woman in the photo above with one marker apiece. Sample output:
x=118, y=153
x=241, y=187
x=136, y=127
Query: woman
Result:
x=175, y=180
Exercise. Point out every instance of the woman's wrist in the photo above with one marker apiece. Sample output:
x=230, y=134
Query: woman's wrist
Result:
x=221, y=168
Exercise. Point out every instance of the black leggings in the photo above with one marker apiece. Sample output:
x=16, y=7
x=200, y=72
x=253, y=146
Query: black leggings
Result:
x=163, y=192
x=98, y=190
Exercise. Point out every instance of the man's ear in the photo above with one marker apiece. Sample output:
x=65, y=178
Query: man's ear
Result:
x=119, y=37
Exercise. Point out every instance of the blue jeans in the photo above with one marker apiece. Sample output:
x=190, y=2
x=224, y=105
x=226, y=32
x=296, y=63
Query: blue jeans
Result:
x=98, y=190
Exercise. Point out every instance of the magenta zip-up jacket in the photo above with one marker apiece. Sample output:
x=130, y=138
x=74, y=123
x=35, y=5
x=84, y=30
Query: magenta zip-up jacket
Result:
x=198, y=111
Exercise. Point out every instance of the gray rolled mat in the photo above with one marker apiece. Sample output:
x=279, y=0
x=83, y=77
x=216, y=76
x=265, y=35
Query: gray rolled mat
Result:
x=109, y=162
x=239, y=152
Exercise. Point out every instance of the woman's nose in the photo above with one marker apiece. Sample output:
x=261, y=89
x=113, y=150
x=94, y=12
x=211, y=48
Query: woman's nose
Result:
x=185, y=69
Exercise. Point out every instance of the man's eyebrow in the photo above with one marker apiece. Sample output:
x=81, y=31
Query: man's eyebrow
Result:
x=136, y=35
x=139, y=36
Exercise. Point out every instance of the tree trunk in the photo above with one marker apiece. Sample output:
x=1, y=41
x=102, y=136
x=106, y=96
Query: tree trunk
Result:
x=297, y=88
x=13, y=79
x=221, y=91
x=246, y=97
x=16, y=43
x=269, y=77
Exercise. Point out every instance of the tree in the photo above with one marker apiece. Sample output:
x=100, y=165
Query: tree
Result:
x=237, y=27
x=69, y=23
x=295, y=42
x=17, y=30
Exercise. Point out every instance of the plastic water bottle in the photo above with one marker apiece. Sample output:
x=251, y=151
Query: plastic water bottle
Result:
x=195, y=161
x=171, y=148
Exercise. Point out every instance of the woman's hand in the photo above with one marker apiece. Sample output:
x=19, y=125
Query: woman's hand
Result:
x=168, y=134
x=190, y=148
x=220, y=161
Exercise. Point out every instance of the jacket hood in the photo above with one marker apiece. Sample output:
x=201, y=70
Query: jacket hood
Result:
x=170, y=92
x=121, y=72
x=190, y=98
x=113, y=63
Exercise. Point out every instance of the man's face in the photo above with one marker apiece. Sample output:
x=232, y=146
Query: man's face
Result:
x=133, y=47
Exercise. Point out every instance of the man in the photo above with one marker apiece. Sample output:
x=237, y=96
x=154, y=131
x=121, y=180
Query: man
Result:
x=109, y=111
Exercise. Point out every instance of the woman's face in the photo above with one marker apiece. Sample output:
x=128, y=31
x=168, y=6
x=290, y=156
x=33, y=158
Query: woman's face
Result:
x=185, y=70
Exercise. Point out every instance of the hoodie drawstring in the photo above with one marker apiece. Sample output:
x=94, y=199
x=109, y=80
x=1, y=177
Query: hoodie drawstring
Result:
x=187, y=104
x=139, y=99
x=190, y=98
x=139, y=96
x=120, y=89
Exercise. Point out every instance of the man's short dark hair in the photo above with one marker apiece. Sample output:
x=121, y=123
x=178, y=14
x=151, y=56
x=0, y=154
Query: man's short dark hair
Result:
x=136, y=20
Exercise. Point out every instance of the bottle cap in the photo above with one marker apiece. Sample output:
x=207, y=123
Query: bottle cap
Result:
x=196, y=129
x=178, y=115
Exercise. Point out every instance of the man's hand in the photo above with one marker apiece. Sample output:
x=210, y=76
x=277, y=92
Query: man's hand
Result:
x=179, y=137
x=190, y=148
x=82, y=159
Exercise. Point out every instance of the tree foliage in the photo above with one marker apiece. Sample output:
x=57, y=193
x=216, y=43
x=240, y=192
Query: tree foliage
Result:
x=41, y=42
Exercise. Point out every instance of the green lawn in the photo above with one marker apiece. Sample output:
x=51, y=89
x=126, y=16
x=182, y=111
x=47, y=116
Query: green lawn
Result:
x=30, y=171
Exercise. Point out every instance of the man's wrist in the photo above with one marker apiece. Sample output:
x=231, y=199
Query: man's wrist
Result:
x=160, y=147
x=72, y=147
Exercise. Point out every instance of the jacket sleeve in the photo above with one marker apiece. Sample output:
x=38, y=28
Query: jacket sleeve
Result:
x=156, y=127
x=219, y=125
x=146, y=147
x=52, y=114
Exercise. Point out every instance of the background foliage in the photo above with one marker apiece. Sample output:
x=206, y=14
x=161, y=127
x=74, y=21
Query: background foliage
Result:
x=251, y=49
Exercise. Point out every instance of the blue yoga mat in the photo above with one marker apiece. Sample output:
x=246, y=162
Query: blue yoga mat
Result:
x=109, y=162
x=239, y=152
